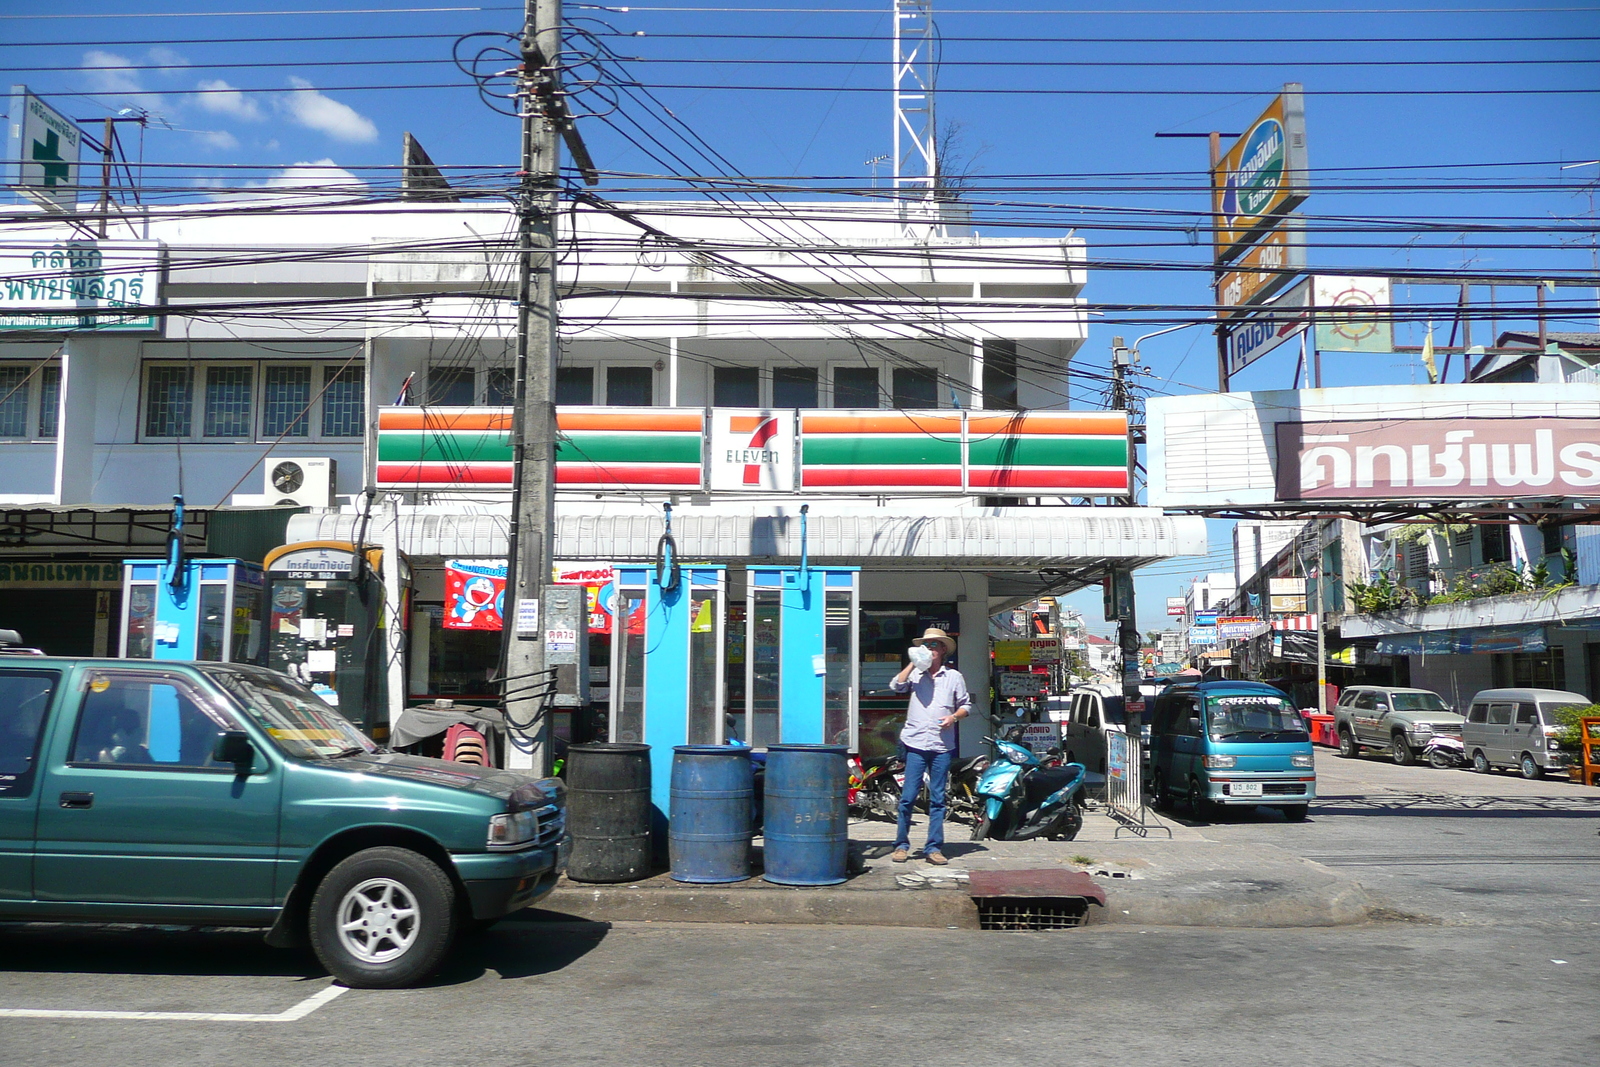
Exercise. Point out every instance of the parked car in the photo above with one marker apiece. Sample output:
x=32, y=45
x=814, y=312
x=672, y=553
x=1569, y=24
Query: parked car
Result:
x=166, y=792
x=1400, y=721
x=1231, y=743
x=1512, y=728
x=1094, y=712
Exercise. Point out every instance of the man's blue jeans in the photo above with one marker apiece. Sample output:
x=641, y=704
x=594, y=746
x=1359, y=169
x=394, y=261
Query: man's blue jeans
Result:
x=937, y=767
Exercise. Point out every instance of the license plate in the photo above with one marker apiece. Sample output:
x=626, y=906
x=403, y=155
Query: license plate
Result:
x=1246, y=789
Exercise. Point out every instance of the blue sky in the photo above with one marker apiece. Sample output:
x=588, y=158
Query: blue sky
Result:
x=1066, y=118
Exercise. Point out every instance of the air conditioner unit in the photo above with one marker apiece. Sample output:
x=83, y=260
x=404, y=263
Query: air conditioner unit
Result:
x=307, y=482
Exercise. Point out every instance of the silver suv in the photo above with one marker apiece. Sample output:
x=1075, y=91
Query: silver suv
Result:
x=1398, y=720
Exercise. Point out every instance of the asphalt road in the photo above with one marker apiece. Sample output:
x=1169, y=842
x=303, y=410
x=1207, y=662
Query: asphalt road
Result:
x=1506, y=971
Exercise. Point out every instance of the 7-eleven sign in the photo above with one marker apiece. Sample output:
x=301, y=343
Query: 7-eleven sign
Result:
x=751, y=451
x=41, y=151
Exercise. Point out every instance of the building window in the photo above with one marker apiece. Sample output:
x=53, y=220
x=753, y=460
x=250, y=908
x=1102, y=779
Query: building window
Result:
x=1000, y=375
x=630, y=387
x=450, y=387
x=169, y=402
x=1552, y=539
x=794, y=387
x=736, y=387
x=575, y=386
x=229, y=391
x=49, y=400
x=295, y=400
x=14, y=401
x=1531, y=670
x=344, y=402
x=915, y=387
x=1496, y=543
x=500, y=389
x=285, y=401
x=855, y=387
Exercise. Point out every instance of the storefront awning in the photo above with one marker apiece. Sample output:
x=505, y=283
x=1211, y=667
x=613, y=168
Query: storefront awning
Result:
x=998, y=539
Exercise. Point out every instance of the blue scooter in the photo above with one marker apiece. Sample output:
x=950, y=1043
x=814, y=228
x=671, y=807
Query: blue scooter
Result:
x=1021, y=799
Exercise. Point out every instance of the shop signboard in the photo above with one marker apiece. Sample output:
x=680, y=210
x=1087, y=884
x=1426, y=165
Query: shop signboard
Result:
x=474, y=594
x=1265, y=268
x=1202, y=635
x=599, y=581
x=1177, y=605
x=1043, y=651
x=1238, y=628
x=1353, y=314
x=1040, y=736
x=73, y=286
x=1263, y=175
x=42, y=147
x=752, y=451
x=1205, y=618
x=1287, y=605
x=1284, y=319
x=1473, y=641
x=1013, y=653
x=1430, y=443
x=1022, y=684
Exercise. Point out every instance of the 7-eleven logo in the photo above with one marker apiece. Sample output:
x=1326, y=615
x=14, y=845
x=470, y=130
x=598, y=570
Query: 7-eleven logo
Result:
x=754, y=454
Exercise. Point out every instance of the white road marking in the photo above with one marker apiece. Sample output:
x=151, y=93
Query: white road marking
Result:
x=294, y=1014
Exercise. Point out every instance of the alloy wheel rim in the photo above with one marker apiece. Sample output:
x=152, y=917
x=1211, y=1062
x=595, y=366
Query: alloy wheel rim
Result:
x=378, y=920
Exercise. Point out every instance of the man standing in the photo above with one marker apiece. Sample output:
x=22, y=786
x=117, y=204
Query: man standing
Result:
x=939, y=700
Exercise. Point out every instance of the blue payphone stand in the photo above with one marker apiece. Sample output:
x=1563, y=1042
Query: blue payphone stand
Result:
x=181, y=608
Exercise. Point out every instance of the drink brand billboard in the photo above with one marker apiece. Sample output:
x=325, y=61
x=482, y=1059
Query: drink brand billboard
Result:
x=1262, y=176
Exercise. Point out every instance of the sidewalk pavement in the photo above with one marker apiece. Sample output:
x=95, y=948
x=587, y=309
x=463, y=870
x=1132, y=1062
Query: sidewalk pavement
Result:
x=1186, y=880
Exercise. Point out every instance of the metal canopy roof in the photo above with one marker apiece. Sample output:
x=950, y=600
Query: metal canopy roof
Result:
x=1008, y=539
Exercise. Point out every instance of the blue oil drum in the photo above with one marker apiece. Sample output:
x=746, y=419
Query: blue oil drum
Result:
x=806, y=827
x=709, y=827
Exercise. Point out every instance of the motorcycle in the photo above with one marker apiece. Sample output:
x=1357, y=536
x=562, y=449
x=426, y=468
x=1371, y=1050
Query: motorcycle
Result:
x=1022, y=799
x=1445, y=751
x=875, y=787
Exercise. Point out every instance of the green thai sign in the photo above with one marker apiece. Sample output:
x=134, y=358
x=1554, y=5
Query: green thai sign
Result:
x=100, y=286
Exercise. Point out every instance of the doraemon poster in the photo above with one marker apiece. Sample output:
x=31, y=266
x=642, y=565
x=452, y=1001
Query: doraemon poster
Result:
x=474, y=594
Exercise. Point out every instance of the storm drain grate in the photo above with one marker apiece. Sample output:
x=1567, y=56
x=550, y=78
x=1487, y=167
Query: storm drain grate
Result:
x=1031, y=913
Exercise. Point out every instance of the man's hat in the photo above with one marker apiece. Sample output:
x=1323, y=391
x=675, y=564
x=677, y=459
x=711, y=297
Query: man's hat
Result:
x=933, y=633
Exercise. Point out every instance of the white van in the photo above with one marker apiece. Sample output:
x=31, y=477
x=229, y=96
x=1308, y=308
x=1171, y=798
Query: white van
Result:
x=1512, y=727
x=1093, y=712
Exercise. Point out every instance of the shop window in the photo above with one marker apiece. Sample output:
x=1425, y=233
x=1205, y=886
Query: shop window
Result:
x=794, y=387
x=915, y=387
x=575, y=386
x=1496, y=543
x=500, y=387
x=1000, y=375
x=450, y=387
x=736, y=387
x=1530, y=670
x=855, y=387
x=630, y=387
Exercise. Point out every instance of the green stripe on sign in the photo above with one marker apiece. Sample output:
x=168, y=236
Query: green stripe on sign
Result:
x=606, y=447
x=843, y=450
x=489, y=446
x=1029, y=450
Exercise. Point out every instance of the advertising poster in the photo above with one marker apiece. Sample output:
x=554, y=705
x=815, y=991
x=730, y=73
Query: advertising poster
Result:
x=599, y=581
x=474, y=594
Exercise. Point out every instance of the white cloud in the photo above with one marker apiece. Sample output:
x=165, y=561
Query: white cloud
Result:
x=165, y=58
x=220, y=98
x=322, y=174
x=221, y=140
x=100, y=72
x=314, y=111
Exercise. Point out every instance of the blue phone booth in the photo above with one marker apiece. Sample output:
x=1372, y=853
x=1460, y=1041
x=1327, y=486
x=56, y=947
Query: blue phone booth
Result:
x=212, y=611
x=802, y=649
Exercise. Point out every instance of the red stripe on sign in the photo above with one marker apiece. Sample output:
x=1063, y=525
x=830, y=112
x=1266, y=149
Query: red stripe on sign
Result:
x=444, y=474
x=1028, y=478
x=942, y=477
x=611, y=474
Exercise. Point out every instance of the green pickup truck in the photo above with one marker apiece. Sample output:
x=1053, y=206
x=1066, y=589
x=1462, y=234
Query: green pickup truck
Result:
x=212, y=794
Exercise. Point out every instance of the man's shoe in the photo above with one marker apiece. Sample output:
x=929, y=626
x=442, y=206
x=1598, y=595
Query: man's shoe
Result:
x=899, y=855
x=936, y=858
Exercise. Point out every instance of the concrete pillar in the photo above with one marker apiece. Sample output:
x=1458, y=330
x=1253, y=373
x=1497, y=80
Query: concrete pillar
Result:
x=75, y=424
x=972, y=651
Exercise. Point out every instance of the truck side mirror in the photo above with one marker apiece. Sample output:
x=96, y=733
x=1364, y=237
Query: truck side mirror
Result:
x=1194, y=723
x=1382, y=707
x=233, y=746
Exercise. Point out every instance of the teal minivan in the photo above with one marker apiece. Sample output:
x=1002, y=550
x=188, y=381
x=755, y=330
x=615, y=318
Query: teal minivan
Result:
x=1230, y=743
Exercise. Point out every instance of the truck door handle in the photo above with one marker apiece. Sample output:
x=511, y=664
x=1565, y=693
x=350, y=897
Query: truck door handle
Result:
x=77, y=800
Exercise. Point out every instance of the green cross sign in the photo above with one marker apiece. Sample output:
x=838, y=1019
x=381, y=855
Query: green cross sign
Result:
x=48, y=152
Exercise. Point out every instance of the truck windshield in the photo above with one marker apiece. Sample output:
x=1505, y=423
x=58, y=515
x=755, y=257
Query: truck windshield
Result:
x=1253, y=718
x=294, y=716
x=1419, y=702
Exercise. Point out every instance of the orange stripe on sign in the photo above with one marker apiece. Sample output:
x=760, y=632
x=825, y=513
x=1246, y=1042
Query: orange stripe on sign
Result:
x=655, y=420
x=444, y=419
x=745, y=423
x=1113, y=423
x=885, y=423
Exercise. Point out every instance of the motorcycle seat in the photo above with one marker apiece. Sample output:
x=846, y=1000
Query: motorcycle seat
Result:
x=962, y=766
x=1047, y=780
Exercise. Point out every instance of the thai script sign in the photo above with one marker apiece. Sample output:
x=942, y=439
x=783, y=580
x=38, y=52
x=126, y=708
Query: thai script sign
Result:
x=80, y=285
x=1266, y=267
x=1433, y=459
x=1238, y=628
x=1263, y=175
x=1282, y=320
x=42, y=152
x=58, y=574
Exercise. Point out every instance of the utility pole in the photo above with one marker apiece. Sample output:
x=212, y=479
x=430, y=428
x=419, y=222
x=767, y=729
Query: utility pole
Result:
x=1120, y=578
x=534, y=420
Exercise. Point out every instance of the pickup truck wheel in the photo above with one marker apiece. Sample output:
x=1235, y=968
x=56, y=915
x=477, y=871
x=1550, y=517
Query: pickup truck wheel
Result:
x=1400, y=749
x=1348, y=749
x=383, y=918
x=1530, y=767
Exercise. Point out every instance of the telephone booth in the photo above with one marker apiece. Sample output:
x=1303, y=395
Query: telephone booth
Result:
x=198, y=609
x=801, y=653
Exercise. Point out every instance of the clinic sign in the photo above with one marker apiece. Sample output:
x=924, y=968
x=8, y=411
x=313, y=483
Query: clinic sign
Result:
x=42, y=148
x=99, y=286
x=1263, y=176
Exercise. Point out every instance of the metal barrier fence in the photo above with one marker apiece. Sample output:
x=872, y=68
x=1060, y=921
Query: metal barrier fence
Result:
x=1125, y=786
